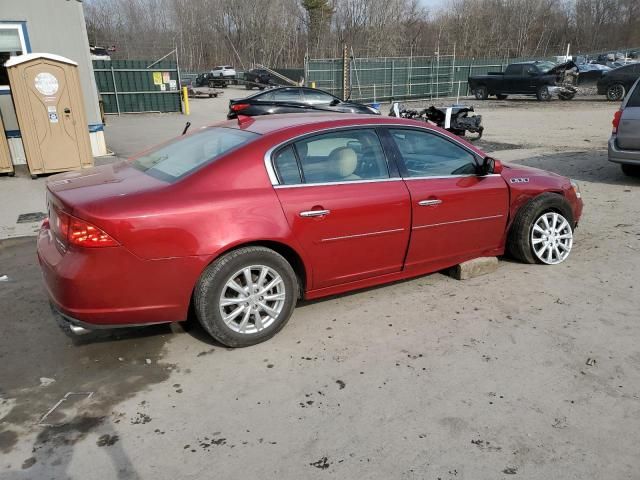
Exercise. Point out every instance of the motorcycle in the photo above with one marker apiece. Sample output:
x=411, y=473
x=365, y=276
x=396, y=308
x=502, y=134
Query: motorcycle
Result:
x=455, y=119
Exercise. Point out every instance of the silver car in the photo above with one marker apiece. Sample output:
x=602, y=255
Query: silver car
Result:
x=624, y=144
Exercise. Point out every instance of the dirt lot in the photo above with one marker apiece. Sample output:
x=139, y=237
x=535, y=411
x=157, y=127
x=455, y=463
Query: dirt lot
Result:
x=425, y=379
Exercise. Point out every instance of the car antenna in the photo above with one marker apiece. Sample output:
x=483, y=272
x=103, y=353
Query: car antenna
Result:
x=186, y=127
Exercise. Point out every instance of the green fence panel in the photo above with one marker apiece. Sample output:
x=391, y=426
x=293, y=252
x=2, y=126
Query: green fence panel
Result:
x=403, y=78
x=128, y=86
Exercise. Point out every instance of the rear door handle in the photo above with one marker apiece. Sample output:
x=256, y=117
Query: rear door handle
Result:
x=315, y=213
x=429, y=203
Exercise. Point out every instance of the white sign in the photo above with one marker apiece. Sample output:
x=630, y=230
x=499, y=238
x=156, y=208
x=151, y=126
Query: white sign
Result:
x=173, y=85
x=46, y=83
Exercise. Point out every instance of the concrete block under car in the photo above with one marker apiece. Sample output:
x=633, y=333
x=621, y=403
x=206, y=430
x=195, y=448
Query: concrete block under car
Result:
x=473, y=268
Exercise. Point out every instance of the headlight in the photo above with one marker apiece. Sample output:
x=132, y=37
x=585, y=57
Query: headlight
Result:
x=576, y=188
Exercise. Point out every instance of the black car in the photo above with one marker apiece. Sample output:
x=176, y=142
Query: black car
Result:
x=293, y=100
x=616, y=83
x=258, y=77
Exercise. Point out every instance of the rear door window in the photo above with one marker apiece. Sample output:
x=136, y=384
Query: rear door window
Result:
x=184, y=155
x=343, y=156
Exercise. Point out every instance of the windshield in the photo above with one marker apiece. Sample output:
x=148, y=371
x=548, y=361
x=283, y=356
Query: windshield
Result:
x=545, y=66
x=186, y=154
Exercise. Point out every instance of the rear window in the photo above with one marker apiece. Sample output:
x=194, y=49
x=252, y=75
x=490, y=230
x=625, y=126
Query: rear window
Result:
x=187, y=154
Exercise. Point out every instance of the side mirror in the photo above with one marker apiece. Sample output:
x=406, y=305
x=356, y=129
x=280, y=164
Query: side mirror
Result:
x=489, y=166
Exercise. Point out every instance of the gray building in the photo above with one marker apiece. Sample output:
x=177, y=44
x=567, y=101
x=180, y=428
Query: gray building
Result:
x=47, y=26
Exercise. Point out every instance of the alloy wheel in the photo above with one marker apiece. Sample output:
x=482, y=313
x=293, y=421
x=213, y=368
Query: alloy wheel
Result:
x=551, y=238
x=252, y=299
x=616, y=92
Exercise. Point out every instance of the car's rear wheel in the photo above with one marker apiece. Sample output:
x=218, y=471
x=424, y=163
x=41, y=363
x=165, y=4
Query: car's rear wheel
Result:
x=542, y=231
x=481, y=93
x=543, y=94
x=616, y=92
x=501, y=96
x=630, y=170
x=246, y=296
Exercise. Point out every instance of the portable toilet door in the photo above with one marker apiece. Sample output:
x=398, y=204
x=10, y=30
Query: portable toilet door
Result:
x=48, y=101
x=6, y=165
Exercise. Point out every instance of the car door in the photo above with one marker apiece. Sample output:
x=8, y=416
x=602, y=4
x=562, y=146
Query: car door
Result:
x=346, y=206
x=511, y=79
x=530, y=79
x=456, y=213
x=279, y=100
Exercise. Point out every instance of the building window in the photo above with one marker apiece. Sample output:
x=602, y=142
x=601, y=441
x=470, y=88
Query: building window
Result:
x=12, y=43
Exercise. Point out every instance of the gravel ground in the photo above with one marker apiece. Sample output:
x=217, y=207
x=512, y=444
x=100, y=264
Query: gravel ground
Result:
x=531, y=372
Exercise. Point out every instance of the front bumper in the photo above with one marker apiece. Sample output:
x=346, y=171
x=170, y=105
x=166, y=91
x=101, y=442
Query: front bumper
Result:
x=617, y=155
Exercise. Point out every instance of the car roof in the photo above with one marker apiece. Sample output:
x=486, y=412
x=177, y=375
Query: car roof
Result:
x=296, y=124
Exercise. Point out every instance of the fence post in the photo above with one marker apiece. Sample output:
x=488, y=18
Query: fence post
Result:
x=393, y=64
x=468, y=75
x=345, y=71
x=115, y=89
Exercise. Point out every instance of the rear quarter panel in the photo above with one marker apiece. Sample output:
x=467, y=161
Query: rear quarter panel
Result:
x=221, y=205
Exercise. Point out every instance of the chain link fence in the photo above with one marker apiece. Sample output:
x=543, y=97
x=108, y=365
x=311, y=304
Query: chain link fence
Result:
x=379, y=79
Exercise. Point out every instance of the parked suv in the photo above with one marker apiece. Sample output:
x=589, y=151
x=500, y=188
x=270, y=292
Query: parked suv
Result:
x=226, y=71
x=617, y=82
x=624, y=144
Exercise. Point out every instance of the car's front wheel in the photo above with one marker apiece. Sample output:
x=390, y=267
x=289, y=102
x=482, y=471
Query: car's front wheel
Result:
x=542, y=231
x=543, y=94
x=246, y=296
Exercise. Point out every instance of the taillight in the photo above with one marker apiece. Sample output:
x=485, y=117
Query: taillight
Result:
x=78, y=232
x=239, y=106
x=616, y=120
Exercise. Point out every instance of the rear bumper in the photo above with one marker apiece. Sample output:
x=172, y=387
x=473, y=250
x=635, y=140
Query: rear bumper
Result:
x=111, y=287
x=617, y=155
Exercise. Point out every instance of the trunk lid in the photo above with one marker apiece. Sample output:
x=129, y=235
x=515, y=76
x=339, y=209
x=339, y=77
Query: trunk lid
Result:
x=76, y=191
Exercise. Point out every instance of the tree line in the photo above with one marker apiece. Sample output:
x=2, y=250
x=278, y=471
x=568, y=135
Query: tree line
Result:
x=279, y=33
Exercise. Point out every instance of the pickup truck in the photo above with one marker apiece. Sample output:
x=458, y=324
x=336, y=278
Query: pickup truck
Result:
x=541, y=79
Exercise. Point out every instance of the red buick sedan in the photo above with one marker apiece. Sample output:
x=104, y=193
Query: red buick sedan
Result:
x=243, y=218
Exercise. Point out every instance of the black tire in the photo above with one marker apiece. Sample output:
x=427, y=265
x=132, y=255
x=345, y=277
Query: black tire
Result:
x=630, y=170
x=616, y=92
x=519, y=239
x=247, y=86
x=210, y=287
x=501, y=96
x=566, y=96
x=543, y=93
x=481, y=93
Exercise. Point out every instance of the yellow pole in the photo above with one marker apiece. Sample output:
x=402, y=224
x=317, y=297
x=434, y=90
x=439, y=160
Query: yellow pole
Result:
x=185, y=97
x=313, y=84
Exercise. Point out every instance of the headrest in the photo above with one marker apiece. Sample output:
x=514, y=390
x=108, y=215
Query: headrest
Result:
x=343, y=161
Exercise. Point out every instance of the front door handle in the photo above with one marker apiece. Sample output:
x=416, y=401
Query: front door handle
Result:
x=429, y=203
x=315, y=213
